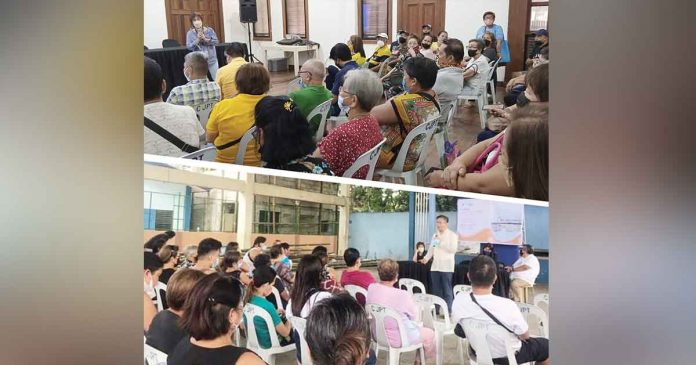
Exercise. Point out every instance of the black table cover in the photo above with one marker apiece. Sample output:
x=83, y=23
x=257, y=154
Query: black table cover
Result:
x=172, y=62
x=417, y=271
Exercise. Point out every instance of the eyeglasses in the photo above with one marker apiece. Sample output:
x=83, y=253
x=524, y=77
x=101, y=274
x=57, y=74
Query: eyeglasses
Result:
x=342, y=90
x=304, y=72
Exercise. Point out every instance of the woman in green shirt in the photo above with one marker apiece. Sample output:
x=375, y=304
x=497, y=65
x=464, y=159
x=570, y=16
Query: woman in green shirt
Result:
x=261, y=286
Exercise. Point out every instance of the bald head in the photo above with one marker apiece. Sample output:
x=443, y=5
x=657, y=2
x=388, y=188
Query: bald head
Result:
x=316, y=69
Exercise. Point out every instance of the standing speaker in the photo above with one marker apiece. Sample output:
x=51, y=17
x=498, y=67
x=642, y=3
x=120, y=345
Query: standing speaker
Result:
x=247, y=11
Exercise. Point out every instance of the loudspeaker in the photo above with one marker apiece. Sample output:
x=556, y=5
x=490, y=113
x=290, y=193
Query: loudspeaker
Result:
x=247, y=11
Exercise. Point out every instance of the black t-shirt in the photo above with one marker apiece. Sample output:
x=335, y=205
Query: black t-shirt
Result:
x=164, y=333
x=165, y=275
x=187, y=353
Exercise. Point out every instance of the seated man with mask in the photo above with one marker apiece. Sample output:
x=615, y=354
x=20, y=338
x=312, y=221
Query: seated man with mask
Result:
x=340, y=54
x=312, y=92
x=381, y=54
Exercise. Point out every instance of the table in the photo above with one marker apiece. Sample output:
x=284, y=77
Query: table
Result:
x=172, y=62
x=295, y=50
x=417, y=271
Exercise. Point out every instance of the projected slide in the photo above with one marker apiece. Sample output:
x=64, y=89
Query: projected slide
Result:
x=486, y=221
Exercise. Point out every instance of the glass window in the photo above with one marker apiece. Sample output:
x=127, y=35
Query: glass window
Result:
x=262, y=28
x=374, y=18
x=295, y=17
x=538, y=18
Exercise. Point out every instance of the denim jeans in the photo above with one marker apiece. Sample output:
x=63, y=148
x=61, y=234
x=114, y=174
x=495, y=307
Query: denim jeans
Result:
x=441, y=284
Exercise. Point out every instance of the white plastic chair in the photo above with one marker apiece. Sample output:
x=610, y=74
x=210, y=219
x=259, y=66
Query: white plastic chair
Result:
x=354, y=290
x=491, y=83
x=368, y=158
x=203, y=112
x=299, y=324
x=294, y=85
x=276, y=295
x=397, y=171
x=321, y=110
x=206, y=153
x=480, y=97
x=428, y=304
x=441, y=134
x=461, y=288
x=378, y=314
x=410, y=284
x=246, y=138
x=535, y=315
x=542, y=298
x=154, y=356
x=159, y=288
x=477, y=333
x=252, y=311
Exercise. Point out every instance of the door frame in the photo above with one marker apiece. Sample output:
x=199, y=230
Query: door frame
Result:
x=400, y=10
x=220, y=33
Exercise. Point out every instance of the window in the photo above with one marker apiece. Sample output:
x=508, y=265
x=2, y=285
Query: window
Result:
x=374, y=17
x=538, y=17
x=262, y=28
x=295, y=18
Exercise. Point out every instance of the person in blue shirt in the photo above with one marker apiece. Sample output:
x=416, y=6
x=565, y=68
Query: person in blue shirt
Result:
x=340, y=54
x=503, y=52
x=204, y=39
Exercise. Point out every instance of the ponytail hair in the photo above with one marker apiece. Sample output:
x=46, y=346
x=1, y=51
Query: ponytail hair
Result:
x=262, y=275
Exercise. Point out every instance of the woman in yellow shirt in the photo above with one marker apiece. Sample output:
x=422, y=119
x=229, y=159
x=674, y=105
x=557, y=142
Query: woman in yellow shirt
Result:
x=357, y=50
x=231, y=118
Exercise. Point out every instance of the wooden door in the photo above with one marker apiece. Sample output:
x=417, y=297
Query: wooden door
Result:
x=412, y=14
x=179, y=22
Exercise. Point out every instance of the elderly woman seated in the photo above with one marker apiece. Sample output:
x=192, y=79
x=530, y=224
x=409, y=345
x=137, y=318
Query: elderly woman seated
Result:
x=360, y=92
x=384, y=293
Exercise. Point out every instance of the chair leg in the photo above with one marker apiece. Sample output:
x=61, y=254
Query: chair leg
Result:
x=482, y=116
x=493, y=91
x=440, y=145
x=410, y=178
x=439, y=348
x=393, y=357
x=422, y=356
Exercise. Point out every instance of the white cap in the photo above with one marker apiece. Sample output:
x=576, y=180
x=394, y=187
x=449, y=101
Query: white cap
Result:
x=383, y=35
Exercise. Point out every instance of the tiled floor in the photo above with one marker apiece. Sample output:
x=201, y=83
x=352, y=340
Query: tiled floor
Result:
x=463, y=129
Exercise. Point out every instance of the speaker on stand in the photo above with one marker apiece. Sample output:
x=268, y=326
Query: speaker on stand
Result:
x=248, y=15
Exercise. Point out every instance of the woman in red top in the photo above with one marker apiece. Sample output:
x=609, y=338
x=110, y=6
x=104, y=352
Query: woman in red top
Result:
x=361, y=91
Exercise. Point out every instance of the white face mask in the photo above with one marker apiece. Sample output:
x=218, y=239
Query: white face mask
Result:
x=149, y=288
x=188, y=78
x=263, y=247
x=380, y=43
x=216, y=263
x=420, y=250
x=197, y=24
x=344, y=108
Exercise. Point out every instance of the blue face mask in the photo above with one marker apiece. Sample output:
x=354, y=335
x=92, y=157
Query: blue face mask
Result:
x=404, y=87
x=302, y=84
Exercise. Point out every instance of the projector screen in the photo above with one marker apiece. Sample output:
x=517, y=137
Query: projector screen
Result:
x=488, y=221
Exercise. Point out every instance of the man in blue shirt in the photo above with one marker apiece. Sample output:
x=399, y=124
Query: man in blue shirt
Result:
x=340, y=54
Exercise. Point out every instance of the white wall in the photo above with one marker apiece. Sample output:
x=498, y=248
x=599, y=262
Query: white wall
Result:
x=464, y=18
x=330, y=22
x=155, y=27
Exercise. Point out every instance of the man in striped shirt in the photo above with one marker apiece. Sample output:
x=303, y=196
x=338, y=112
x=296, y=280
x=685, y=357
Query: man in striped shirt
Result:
x=198, y=90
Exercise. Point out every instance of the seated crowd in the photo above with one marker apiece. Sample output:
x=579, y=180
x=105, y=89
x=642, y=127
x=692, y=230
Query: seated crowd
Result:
x=381, y=97
x=205, y=313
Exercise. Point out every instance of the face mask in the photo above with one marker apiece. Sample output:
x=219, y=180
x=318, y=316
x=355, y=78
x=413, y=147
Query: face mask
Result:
x=402, y=40
x=471, y=52
x=487, y=42
x=188, y=78
x=425, y=45
x=344, y=108
x=380, y=43
x=521, y=252
x=404, y=86
x=538, y=43
x=302, y=84
x=263, y=247
x=149, y=289
x=198, y=24
x=522, y=100
x=420, y=250
x=216, y=263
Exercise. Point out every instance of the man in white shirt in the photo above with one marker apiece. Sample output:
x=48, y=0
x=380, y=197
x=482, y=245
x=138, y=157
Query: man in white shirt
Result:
x=179, y=120
x=523, y=272
x=443, y=246
x=476, y=70
x=482, y=274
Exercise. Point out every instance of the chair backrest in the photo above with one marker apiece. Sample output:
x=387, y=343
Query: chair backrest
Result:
x=461, y=288
x=252, y=311
x=355, y=290
x=428, y=304
x=493, y=65
x=159, y=288
x=206, y=153
x=294, y=84
x=535, y=315
x=426, y=128
x=248, y=136
x=368, y=158
x=276, y=295
x=477, y=333
x=154, y=356
x=321, y=110
x=378, y=313
x=299, y=324
x=203, y=112
x=168, y=43
x=409, y=284
x=541, y=298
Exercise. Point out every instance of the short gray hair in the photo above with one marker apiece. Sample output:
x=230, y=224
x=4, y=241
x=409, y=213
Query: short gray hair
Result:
x=198, y=61
x=366, y=86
